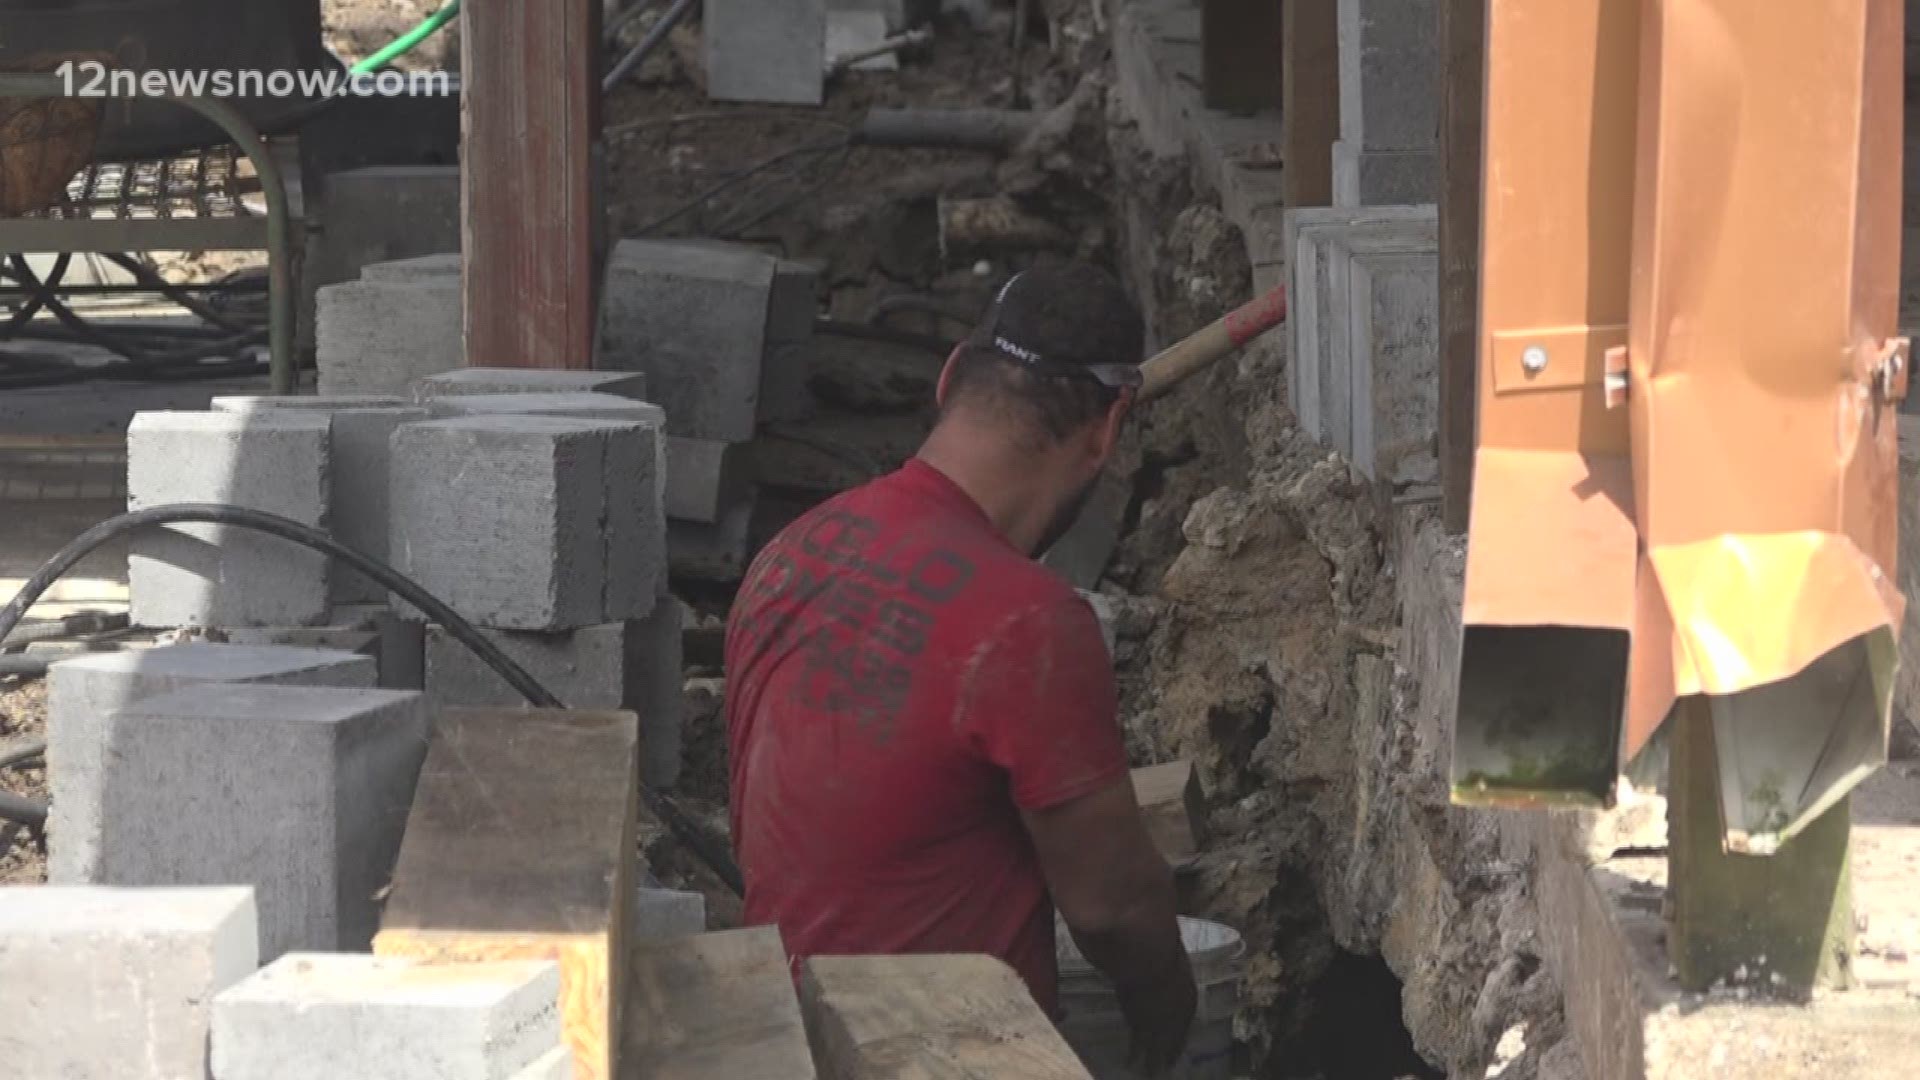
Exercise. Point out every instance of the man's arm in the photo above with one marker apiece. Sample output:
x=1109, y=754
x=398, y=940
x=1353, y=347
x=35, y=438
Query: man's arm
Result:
x=1116, y=894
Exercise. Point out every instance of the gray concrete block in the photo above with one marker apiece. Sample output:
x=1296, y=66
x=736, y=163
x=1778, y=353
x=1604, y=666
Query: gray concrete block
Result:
x=900, y=14
x=632, y=665
x=361, y=477
x=793, y=302
x=715, y=552
x=1906, y=691
x=1384, y=177
x=850, y=32
x=370, y=216
x=427, y=267
x=317, y=1016
x=1389, y=74
x=528, y=522
x=693, y=317
x=583, y=405
x=705, y=477
x=83, y=691
x=557, y=1065
x=767, y=52
x=117, y=984
x=380, y=337
x=626, y=384
x=299, y=792
x=659, y=914
x=1386, y=295
x=216, y=575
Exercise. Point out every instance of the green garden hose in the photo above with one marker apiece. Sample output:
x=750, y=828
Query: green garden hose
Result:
x=408, y=41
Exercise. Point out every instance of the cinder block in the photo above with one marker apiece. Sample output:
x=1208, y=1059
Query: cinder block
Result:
x=705, y=477
x=380, y=337
x=1388, y=286
x=557, y=1065
x=693, y=317
x=758, y=51
x=1389, y=74
x=626, y=384
x=217, y=575
x=528, y=522
x=712, y=552
x=662, y=914
x=300, y=792
x=83, y=691
x=117, y=984
x=579, y=405
x=369, y=216
x=430, y=267
x=633, y=665
x=319, y=1016
x=361, y=477
x=1384, y=177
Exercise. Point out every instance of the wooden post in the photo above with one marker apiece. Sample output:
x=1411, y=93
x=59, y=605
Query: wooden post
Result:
x=1310, y=99
x=1463, y=58
x=530, y=213
x=1782, y=922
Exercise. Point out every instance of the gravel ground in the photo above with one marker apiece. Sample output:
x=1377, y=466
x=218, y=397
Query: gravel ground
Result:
x=23, y=714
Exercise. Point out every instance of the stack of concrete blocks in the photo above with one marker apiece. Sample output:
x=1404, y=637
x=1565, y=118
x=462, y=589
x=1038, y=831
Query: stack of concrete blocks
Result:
x=376, y=215
x=117, y=984
x=567, y=575
x=83, y=692
x=1389, y=148
x=723, y=333
x=301, y=792
x=316, y=1016
x=1364, y=376
x=400, y=322
x=772, y=51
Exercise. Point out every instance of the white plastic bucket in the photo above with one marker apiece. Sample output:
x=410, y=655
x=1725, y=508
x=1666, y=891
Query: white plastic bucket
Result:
x=1097, y=1031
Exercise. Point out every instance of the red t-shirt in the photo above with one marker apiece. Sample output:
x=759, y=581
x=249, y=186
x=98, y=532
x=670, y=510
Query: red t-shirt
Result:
x=902, y=682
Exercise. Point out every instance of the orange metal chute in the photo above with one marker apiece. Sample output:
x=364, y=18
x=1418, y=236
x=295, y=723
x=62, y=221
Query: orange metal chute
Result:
x=1687, y=440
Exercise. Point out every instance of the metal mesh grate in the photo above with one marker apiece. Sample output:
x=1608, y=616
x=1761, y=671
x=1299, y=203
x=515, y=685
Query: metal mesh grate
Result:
x=209, y=184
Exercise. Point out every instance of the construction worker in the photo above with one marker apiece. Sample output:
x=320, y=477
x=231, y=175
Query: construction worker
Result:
x=922, y=719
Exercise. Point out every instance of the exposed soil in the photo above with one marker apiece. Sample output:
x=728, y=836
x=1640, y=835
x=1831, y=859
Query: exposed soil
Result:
x=23, y=715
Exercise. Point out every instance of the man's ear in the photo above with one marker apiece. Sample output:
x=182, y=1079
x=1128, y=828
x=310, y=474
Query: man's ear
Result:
x=946, y=375
x=1107, y=431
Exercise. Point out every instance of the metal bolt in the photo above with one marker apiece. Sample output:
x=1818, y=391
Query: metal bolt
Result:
x=1534, y=359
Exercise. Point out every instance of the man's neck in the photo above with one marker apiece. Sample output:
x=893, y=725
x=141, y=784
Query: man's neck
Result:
x=1002, y=481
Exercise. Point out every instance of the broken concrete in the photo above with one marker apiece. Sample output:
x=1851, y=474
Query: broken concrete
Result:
x=361, y=480
x=299, y=792
x=217, y=575
x=117, y=984
x=625, y=384
x=84, y=691
x=569, y=550
x=316, y=1016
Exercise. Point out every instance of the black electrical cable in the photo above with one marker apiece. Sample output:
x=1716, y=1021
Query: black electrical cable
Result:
x=27, y=751
x=734, y=180
x=145, y=276
x=709, y=849
x=37, y=300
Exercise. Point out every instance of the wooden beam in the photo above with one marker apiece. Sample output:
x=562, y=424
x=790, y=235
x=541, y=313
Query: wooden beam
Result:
x=1174, y=808
x=927, y=1018
x=715, y=1006
x=530, y=215
x=1463, y=56
x=520, y=845
x=1310, y=100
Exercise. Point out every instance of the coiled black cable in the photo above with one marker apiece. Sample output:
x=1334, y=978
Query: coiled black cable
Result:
x=709, y=849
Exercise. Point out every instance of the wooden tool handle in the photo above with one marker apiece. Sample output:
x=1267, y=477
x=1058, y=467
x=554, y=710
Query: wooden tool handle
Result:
x=1222, y=338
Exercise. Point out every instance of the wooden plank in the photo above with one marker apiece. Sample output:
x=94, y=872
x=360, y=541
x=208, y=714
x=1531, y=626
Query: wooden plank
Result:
x=1310, y=100
x=530, y=223
x=714, y=1007
x=1463, y=56
x=1174, y=807
x=520, y=845
x=928, y=1018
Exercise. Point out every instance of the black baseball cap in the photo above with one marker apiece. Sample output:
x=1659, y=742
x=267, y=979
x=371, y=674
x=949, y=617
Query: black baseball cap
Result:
x=1066, y=320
